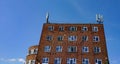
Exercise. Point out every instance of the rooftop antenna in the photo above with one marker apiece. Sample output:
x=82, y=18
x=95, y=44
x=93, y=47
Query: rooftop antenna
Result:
x=47, y=17
x=99, y=18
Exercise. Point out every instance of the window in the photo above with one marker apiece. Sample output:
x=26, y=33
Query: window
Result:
x=35, y=51
x=97, y=50
x=57, y=61
x=49, y=38
x=47, y=49
x=45, y=60
x=60, y=38
x=31, y=61
x=85, y=61
x=84, y=28
x=85, y=49
x=61, y=28
x=73, y=28
x=58, y=48
x=96, y=38
x=72, y=38
x=50, y=28
x=72, y=49
x=94, y=29
x=31, y=51
x=84, y=38
x=71, y=61
x=98, y=61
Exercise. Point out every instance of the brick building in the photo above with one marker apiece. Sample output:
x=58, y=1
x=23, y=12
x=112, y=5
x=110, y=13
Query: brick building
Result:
x=71, y=44
x=31, y=56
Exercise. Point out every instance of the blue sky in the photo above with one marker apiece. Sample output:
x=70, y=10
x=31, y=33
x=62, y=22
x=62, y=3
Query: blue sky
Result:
x=21, y=23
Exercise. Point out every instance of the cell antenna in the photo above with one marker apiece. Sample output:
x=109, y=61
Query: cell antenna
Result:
x=47, y=17
x=99, y=18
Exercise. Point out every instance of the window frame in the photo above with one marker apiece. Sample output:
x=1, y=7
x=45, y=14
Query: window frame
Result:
x=84, y=38
x=45, y=60
x=96, y=38
x=31, y=51
x=49, y=38
x=72, y=28
x=35, y=50
x=60, y=38
x=61, y=28
x=97, y=49
x=85, y=61
x=73, y=60
x=29, y=61
x=47, y=48
x=57, y=61
x=95, y=29
x=72, y=38
x=85, y=49
x=58, y=48
x=72, y=49
x=84, y=28
x=32, y=61
x=50, y=28
x=97, y=61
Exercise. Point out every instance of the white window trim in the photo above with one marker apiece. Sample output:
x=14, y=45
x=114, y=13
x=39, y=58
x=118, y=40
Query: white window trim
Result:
x=98, y=60
x=50, y=38
x=46, y=60
x=35, y=50
x=94, y=38
x=60, y=49
x=58, y=60
x=95, y=49
x=85, y=59
x=84, y=27
x=61, y=38
x=32, y=61
x=84, y=37
x=48, y=50
x=61, y=28
x=72, y=38
x=50, y=28
x=69, y=48
x=94, y=29
x=71, y=59
x=29, y=61
x=73, y=27
x=32, y=51
x=83, y=49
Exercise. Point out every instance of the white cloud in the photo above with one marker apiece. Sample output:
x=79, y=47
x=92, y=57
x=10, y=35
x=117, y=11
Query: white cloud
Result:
x=21, y=60
x=12, y=60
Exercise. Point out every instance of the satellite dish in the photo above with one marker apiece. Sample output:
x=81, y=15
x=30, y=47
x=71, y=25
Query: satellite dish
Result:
x=99, y=18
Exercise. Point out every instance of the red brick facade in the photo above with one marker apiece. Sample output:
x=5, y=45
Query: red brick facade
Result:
x=51, y=29
x=32, y=52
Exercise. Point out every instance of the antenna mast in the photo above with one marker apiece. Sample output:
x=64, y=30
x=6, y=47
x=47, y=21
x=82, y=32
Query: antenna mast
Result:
x=99, y=18
x=47, y=17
